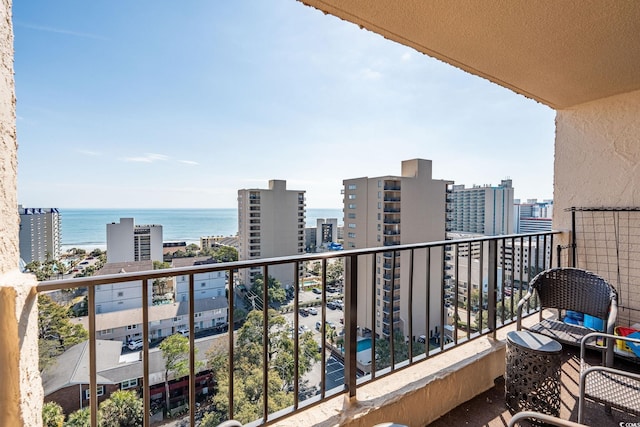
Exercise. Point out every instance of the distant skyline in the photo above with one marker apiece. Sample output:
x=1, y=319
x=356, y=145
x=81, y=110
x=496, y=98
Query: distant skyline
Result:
x=151, y=104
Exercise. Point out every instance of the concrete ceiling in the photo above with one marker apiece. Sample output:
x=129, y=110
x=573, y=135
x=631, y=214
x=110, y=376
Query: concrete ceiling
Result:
x=558, y=52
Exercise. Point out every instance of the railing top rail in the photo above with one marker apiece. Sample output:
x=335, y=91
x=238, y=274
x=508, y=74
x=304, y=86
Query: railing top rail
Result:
x=226, y=266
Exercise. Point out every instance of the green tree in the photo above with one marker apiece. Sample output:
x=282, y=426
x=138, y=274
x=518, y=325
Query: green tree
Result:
x=55, y=332
x=52, y=415
x=275, y=290
x=79, y=418
x=248, y=380
x=175, y=352
x=335, y=271
x=122, y=409
x=226, y=254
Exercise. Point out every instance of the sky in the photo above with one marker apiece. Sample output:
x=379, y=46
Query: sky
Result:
x=164, y=104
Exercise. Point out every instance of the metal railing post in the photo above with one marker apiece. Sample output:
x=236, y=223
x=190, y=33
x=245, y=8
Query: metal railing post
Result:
x=492, y=283
x=351, y=319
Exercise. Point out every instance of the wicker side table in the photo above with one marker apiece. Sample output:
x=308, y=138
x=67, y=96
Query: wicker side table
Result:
x=532, y=379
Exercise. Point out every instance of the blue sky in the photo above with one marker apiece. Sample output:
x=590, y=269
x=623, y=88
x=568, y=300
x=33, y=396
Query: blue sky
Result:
x=153, y=103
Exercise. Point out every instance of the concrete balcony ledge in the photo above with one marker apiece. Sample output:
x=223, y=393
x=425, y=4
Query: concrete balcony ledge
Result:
x=417, y=395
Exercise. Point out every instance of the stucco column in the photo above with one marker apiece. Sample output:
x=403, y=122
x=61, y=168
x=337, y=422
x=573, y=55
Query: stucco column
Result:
x=21, y=387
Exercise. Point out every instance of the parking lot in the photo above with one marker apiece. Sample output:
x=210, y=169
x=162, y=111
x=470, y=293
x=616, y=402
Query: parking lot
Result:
x=334, y=370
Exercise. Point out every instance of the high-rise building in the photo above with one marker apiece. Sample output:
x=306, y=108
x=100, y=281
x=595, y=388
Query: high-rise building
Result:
x=484, y=209
x=39, y=234
x=391, y=210
x=127, y=242
x=533, y=216
x=270, y=224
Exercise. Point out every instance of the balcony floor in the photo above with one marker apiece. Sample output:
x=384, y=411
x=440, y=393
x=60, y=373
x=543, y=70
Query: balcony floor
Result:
x=489, y=409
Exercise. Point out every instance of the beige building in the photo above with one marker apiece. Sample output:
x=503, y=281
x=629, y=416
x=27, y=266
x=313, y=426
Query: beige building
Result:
x=392, y=210
x=270, y=224
x=483, y=209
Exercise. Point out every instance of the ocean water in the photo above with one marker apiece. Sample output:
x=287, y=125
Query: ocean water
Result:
x=87, y=228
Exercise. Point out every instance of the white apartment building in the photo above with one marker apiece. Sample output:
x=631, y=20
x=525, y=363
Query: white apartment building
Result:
x=205, y=285
x=391, y=210
x=484, y=209
x=326, y=231
x=164, y=320
x=39, y=234
x=122, y=296
x=128, y=242
x=271, y=223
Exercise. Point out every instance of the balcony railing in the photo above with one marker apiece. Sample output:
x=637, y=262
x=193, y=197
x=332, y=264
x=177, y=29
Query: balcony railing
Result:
x=493, y=308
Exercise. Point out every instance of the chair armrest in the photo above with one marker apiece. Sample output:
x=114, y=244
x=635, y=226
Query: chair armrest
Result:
x=528, y=415
x=521, y=303
x=610, y=343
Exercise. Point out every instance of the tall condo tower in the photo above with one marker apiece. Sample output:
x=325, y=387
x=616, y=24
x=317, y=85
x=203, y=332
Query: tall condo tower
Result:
x=392, y=210
x=270, y=224
x=484, y=209
x=39, y=234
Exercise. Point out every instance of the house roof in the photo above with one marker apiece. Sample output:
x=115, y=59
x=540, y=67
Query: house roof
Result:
x=560, y=53
x=72, y=366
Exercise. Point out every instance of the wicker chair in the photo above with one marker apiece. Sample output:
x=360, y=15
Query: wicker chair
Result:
x=614, y=388
x=577, y=290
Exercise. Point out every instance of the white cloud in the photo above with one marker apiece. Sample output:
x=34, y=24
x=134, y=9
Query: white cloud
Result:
x=147, y=158
x=406, y=56
x=61, y=31
x=189, y=162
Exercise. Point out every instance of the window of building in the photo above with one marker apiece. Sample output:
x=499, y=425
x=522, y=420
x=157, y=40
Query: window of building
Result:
x=351, y=187
x=379, y=216
x=379, y=194
x=379, y=183
x=379, y=205
x=128, y=384
x=120, y=294
x=351, y=225
x=351, y=215
x=198, y=315
x=351, y=205
x=129, y=327
x=352, y=245
x=202, y=285
x=351, y=196
x=352, y=235
x=99, y=392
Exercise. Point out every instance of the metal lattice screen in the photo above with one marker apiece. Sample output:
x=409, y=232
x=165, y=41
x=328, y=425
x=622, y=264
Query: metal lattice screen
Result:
x=607, y=242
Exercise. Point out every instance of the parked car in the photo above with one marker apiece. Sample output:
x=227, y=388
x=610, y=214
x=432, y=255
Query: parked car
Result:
x=304, y=312
x=183, y=332
x=316, y=291
x=135, y=344
x=313, y=311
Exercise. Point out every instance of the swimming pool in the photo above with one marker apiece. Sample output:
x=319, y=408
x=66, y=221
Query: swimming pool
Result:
x=363, y=344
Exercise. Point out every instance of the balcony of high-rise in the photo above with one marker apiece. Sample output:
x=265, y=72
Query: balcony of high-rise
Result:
x=579, y=58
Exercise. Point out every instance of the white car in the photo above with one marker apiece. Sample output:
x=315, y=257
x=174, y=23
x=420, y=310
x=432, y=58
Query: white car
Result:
x=135, y=344
x=183, y=332
x=313, y=311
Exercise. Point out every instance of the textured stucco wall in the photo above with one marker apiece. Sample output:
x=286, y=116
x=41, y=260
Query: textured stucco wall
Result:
x=597, y=155
x=9, y=219
x=597, y=164
x=21, y=390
